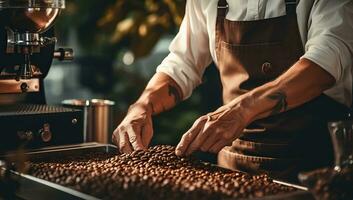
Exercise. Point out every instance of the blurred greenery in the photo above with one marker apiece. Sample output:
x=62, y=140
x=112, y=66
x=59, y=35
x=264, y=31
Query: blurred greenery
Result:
x=107, y=28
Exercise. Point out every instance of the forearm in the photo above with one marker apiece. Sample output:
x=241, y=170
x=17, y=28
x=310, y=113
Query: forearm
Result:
x=303, y=82
x=161, y=94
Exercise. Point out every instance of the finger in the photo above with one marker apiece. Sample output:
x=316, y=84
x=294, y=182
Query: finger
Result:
x=209, y=142
x=204, y=133
x=115, y=137
x=184, y=142
x=124, y=144
x=147, y=133
x=115, y=140
x=134, y=133
x=218, y=146
x=188, y=137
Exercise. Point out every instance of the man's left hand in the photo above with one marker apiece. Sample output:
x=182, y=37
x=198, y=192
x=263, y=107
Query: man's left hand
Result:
x=212, y=132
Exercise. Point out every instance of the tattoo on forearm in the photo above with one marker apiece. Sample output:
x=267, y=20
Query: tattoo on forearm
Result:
x=281, y=98
x=172, y=90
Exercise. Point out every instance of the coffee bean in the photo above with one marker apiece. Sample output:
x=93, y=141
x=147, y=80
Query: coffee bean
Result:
x=156, y=173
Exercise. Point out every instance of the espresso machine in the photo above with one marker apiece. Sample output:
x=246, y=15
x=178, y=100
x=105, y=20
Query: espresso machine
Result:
x=27, y=49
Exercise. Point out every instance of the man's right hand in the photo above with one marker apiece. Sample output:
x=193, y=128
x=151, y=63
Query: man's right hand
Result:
x=135, y=131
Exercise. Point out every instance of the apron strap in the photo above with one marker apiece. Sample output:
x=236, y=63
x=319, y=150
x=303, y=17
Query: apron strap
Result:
x=222, y=8
x=291, y=6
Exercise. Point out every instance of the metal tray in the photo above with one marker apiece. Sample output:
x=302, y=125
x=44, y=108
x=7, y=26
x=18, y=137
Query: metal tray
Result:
x=35, y=188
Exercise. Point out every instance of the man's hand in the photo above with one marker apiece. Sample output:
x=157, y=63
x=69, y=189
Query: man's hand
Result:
x=213, y=131
x=135, y=131
x=301, y=83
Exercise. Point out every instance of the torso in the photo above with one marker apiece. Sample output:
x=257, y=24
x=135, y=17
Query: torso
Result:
x=250, y=54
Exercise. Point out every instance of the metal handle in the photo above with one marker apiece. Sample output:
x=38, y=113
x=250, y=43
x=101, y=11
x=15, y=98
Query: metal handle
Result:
x=64, y=54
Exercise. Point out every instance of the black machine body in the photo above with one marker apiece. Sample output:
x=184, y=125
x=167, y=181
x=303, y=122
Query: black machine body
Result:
x=27, y=49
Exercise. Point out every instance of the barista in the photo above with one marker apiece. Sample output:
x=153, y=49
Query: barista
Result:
x=285, y=68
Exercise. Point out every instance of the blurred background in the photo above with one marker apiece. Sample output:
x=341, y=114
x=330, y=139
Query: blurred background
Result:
x=118, y=44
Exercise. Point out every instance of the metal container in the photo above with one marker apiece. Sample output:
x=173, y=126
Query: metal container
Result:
x=31, y=187
x=98, y=118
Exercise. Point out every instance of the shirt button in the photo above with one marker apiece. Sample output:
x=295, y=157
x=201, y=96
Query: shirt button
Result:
x=266, y=68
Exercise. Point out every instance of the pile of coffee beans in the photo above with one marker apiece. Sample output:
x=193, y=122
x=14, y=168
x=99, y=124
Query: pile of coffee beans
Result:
x=156, y=173
x=329, y=184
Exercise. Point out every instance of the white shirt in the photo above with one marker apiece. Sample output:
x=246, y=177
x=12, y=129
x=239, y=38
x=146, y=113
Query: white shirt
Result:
x=326, y=29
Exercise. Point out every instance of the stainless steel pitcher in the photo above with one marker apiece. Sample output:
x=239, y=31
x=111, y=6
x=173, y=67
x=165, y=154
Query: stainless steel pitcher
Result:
x=98, y=118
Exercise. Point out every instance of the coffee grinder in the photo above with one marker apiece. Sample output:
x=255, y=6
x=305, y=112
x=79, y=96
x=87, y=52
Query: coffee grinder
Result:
x=27, y=48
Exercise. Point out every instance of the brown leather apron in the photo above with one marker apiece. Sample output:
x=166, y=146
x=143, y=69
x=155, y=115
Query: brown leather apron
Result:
x=250, y=54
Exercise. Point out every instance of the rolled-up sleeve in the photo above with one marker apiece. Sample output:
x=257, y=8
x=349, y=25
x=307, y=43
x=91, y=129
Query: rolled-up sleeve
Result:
x=189, y=51
x=330, y=38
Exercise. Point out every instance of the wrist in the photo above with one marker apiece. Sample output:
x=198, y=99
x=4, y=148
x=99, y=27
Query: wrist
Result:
x=245, y=105
x=142, y=105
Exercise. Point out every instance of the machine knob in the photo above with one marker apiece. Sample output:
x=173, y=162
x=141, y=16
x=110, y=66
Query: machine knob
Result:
x=47, y=41
x=25, y=135
x=45, y=133
x=64, y=54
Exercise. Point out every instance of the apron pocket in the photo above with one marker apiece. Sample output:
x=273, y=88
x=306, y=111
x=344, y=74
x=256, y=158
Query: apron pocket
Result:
x=270, y=62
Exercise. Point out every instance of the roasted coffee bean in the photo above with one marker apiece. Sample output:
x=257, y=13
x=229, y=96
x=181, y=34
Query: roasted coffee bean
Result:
x=156, y=173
